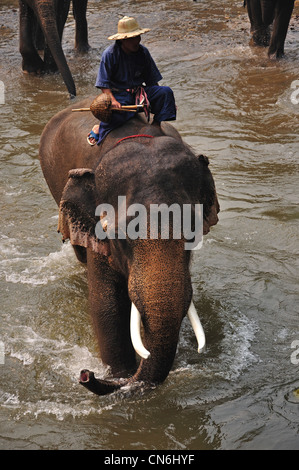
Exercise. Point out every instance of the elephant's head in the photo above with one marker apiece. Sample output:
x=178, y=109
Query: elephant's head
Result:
x=153, y=263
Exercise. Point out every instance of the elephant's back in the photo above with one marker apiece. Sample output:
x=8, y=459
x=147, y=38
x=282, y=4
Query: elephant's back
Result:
x=63, y=145
x=69, y=122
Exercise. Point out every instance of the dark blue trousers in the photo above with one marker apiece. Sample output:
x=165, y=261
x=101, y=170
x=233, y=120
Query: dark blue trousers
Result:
x=162, y=104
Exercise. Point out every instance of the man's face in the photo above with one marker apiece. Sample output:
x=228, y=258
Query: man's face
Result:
x=131, y=45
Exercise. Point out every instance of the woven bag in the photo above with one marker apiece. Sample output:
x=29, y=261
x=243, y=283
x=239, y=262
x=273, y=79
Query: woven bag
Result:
x=101, y=107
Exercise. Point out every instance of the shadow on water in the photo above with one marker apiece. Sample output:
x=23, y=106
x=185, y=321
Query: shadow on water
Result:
x=235, y=106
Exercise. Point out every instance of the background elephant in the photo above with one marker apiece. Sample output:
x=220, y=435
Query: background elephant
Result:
x=147, y=278
x=262, y=13
x=41, y=27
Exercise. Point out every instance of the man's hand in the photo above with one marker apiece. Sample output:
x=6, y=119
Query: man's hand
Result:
x=114, y=102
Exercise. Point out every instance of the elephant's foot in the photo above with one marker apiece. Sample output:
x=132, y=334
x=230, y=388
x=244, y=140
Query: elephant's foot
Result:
x=261, y=37
x=98, y=386
x=275, y=51
x=50, y=65
x=35, y=66
x=275, y=55
x=82, y=48
x=51, y=69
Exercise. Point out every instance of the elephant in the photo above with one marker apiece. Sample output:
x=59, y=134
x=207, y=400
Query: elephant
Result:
x=41, y=27
x=133, y=282
x=262, y=13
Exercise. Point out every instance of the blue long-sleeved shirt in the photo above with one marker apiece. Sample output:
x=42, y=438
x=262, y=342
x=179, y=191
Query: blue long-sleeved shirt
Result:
x=121, y=71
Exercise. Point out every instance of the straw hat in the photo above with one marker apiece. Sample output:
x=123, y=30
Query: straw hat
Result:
x=128, y=28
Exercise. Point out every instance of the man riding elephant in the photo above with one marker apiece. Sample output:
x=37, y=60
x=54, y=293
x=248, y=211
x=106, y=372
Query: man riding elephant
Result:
x=124, y=69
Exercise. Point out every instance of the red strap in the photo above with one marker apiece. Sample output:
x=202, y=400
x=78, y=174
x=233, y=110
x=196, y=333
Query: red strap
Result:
x=133, y=137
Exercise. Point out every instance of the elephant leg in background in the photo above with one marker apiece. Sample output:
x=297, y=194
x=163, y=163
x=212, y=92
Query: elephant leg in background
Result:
x=283, y=13
x=81, y=38
x=259, y=28
x=43, y=13
x=110, y=308
x=39, y=38
x=31, y=61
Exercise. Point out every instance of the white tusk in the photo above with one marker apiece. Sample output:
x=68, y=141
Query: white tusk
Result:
x=197, y=327
x=135, y=333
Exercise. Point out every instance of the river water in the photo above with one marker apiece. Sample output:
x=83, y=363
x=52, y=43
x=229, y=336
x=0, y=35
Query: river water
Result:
x=240, y=109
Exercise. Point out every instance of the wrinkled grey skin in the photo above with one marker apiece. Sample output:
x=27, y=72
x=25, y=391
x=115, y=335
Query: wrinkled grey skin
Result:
x=41, y=27
x=152, y=273
x=264, y=13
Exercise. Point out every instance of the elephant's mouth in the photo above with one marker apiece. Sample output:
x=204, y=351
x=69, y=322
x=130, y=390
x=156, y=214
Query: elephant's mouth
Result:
x=136, y=335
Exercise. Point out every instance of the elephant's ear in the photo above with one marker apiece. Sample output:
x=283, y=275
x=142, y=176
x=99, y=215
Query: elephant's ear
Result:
x=77, y=207
x=207, y=195
x=203, y=159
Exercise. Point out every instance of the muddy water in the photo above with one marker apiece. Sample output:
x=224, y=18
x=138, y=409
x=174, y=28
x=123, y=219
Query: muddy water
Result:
x=235, y=106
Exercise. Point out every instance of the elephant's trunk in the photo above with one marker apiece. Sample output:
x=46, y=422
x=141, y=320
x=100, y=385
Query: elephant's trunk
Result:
x=156, y=364
x=46, y=15
x=99, y=387
x=160, y=288
x=104, y=387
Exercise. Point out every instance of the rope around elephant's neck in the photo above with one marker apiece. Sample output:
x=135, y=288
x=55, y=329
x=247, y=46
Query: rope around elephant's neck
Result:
x=132, y=137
